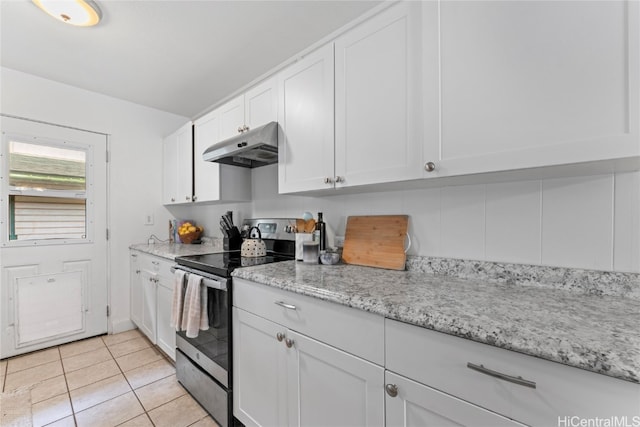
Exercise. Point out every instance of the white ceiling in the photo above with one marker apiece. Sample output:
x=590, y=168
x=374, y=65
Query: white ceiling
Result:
x=177, y=56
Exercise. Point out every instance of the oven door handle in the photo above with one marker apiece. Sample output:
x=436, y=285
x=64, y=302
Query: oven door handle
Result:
x=208, y=280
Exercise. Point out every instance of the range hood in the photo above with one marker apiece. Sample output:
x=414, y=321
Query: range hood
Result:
x=251, y=149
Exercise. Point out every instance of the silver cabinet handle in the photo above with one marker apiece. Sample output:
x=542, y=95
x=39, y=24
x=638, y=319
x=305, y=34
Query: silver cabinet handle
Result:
x=429, y=166
x=239, y=129
x=288, y=342
x=155, y=263
x=516, y=380
x=285, y=305
x=328, y=180
x=391, y=389
x=280, y=336
x=137, y=271
x=134, y=255
x=339, y=178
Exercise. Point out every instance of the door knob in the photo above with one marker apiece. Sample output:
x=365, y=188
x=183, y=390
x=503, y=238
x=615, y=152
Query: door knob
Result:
x=429, y=166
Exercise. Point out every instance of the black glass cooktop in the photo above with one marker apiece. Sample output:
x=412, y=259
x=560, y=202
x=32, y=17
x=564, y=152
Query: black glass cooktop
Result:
x=222, y=264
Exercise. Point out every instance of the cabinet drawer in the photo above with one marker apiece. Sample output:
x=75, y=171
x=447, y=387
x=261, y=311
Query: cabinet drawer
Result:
x=440, y=361
x=153, y=264
x=354, y=331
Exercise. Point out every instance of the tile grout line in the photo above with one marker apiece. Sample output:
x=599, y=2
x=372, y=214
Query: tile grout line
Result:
x=128, y=383
x=121, y=373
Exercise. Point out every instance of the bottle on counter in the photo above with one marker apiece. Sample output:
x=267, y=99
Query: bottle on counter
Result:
x=320, y=234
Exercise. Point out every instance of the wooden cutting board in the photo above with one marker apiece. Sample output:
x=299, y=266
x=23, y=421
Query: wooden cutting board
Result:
x=376, y=241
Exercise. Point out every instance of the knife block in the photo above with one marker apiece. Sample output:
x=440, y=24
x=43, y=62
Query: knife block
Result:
x=234, y=242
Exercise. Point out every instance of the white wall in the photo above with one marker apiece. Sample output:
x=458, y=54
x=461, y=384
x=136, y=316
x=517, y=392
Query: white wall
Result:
x=135, y=168
x=590, y=222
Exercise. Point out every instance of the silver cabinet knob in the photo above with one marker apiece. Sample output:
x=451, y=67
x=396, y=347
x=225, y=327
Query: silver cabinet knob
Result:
x=429, y=166
x=240, y=129
x=328, y=180
x=173, y=199
x=194, y=198
x=188, y=198
x=280, y=336
x=245, y=128
x=391, y=389
x=137, y=271
x=288, y=342
x=339, y=178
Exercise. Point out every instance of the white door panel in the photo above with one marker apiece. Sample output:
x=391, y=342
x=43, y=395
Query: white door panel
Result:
x=44, y=280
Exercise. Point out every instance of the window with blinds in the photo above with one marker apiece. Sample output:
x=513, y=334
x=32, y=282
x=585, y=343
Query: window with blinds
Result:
x=47, y=191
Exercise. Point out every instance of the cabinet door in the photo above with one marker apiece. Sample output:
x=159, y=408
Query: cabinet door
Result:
x=148, y=320
x=259, y=373
x=184, y=159
x=231, y=117
x=377, y=106
x=417, y=405
x=135, y=287
x=206, y=175
x=166, y=334
x=177, y=169
x=261, y=104
x=170, y=170
x=328, y=387
x=518, y=94
x=305, y=115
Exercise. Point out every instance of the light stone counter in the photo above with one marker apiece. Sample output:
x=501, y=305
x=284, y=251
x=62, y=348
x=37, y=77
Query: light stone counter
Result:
x=172, y=250
x=566, y=323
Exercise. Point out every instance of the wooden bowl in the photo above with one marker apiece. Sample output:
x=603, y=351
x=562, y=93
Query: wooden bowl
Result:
x=188, y=238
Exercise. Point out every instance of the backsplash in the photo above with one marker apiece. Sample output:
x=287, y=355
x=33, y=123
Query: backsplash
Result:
x=587, y=222
x=589, y=282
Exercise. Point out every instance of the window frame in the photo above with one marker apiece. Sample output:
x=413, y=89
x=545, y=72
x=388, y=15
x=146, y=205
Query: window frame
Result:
x=6, y=190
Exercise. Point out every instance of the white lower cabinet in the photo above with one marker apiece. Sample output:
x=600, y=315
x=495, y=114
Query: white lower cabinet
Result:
x=148, y=321
x=284, y=378
x=301, y=361
x=151, y=297
x=527, y=389
x=411, y=404
x=166, y=335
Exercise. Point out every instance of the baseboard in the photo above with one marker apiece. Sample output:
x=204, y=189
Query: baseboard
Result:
x=121, y=325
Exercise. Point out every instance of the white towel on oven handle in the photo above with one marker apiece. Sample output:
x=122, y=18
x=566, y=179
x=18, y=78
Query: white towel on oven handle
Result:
x=194, y=313
x=178, y=302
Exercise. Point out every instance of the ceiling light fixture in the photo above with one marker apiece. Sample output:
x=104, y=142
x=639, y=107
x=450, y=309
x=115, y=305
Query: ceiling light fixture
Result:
x=81, y=13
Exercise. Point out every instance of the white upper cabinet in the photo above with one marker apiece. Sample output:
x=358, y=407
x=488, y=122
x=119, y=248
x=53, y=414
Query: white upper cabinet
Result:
x=537, y=83
x=305, y=115
x=218, y=182
x=231, y=118
x=256, y=107
x=378, y=134
x=214, y=182
x=261, y=104
x=177, y=152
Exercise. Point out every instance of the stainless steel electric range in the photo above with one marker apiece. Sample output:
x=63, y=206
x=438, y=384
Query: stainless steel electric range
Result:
x=204, y=364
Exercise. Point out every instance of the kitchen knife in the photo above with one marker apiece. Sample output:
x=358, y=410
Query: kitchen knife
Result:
x=228, y=223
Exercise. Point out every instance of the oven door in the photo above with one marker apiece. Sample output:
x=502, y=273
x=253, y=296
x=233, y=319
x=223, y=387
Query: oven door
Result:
x=210, y=350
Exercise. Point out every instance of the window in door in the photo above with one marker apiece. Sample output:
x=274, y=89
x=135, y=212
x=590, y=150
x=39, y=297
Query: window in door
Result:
x=47, y=192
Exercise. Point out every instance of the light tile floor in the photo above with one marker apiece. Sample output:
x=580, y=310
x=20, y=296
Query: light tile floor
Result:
x=112, y=380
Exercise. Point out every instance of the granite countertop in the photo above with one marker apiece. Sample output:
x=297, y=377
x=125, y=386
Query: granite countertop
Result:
x=599, y=333
x=172, y=250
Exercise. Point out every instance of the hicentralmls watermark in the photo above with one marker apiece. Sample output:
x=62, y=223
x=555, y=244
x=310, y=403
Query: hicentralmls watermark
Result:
x=575, y=421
